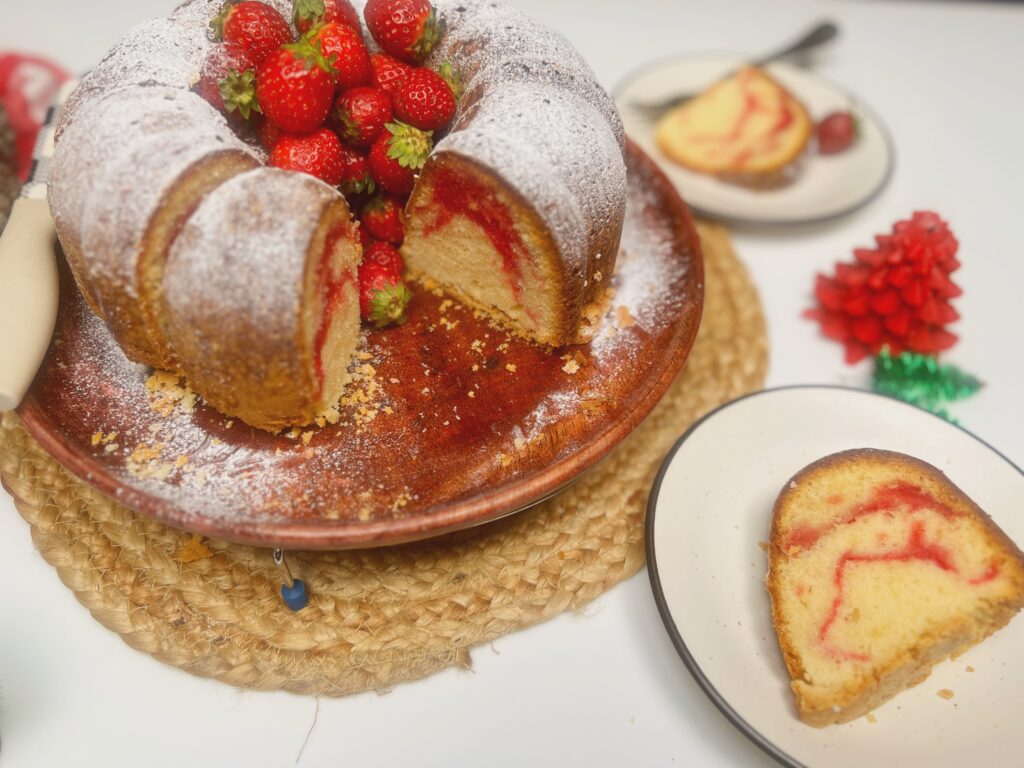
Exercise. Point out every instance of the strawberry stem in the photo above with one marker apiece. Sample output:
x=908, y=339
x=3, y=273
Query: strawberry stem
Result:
x=311, y=54
x=238, y=90
x=408, y=145
x=388, y=305
x=312, y=11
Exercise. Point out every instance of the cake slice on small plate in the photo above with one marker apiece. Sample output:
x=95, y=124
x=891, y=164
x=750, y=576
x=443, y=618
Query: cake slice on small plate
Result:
x=746, y=128
x=879, y=568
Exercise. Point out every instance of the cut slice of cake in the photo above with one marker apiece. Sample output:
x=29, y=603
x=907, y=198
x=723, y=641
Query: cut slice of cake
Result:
x=261, y=300
x=879, y=568
x=522, y=224
x=746, y=127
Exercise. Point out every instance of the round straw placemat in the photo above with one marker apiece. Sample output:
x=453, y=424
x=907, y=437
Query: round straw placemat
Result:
x=380, y=617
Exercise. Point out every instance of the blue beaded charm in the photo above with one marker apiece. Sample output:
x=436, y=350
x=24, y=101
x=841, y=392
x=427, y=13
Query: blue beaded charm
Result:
x=293, y=591
x=295, y=596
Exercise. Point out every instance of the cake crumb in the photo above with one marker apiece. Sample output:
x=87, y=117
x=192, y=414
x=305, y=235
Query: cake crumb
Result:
x=194, y=549
x=477, y=345
x=970, y=668
x=216, y=441
x=871, y=718
x=362, y=355
x=504, y=459
x=625, y=319
x=764, y=546
x=598, y=276
x=945, y=693
x=167, y=393
x=293, y=433
x=471, y=393
x=96, y=437
x=181, y=461
x=402, y=500
x=307, y=436
x=510, y=367
x=476, y=367
x=111, y=447
x=571, y=367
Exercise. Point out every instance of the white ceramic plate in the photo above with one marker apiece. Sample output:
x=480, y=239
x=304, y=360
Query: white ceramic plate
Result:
x=826, y=186
x=711, y=505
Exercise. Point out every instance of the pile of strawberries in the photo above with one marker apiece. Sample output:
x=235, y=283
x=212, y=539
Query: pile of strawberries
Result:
x=323, y=104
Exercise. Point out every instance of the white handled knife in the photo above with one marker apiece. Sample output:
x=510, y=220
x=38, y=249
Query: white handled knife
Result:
x=28, y=275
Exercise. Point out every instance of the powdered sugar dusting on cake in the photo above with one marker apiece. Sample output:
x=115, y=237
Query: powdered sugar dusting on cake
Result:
x=153, y=134
x=491, y=44
x=240, y=260
x=162, y=52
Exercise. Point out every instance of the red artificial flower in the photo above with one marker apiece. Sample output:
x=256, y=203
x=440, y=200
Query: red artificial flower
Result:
x=897, y=294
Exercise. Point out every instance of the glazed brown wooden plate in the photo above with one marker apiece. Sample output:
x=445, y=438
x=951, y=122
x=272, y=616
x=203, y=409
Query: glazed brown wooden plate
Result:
x=449, y=423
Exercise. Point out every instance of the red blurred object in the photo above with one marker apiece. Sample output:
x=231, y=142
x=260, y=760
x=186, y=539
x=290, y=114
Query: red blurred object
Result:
x=28, y=85
x=897, y=294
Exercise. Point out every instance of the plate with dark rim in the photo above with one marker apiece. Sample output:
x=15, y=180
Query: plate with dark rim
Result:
x=824, y=186
x=450, y=422
x=708, y=517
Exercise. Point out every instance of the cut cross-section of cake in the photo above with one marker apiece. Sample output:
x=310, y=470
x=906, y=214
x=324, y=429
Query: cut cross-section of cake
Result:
x=747, y=128
x=879, y=568
x=261, y=299
x=523, y=225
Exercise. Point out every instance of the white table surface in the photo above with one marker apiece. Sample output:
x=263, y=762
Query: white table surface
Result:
x=604, y=687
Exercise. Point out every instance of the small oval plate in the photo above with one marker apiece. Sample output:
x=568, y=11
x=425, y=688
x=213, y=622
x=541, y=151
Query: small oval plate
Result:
x=826, y=186
x=712, y=505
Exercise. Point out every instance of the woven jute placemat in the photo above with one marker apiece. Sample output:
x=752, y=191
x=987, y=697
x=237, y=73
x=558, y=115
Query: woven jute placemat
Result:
x=380, y=617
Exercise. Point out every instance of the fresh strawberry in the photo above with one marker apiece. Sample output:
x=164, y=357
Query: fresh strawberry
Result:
x=424, y=100
x=346, y=51
x=388, y=72
x=397, y=154
x=362, y=112
x=295, y=87
x=356, y=179
x=268, y=133
x=382, y=294
x=228, y=81
x=407, y=29
x=255, y=26
x=386, y=255
x=836, y=132
x=318, y=153
x=309, y=13
x=382, y=218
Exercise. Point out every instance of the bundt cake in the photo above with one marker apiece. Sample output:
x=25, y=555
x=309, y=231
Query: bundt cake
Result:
x=260, y=297
x=518, y=211
x=746, y=128
x=126, y=175
x=879, y=568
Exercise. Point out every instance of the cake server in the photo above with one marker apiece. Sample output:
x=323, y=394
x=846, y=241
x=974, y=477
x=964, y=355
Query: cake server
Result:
x=28, y=275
